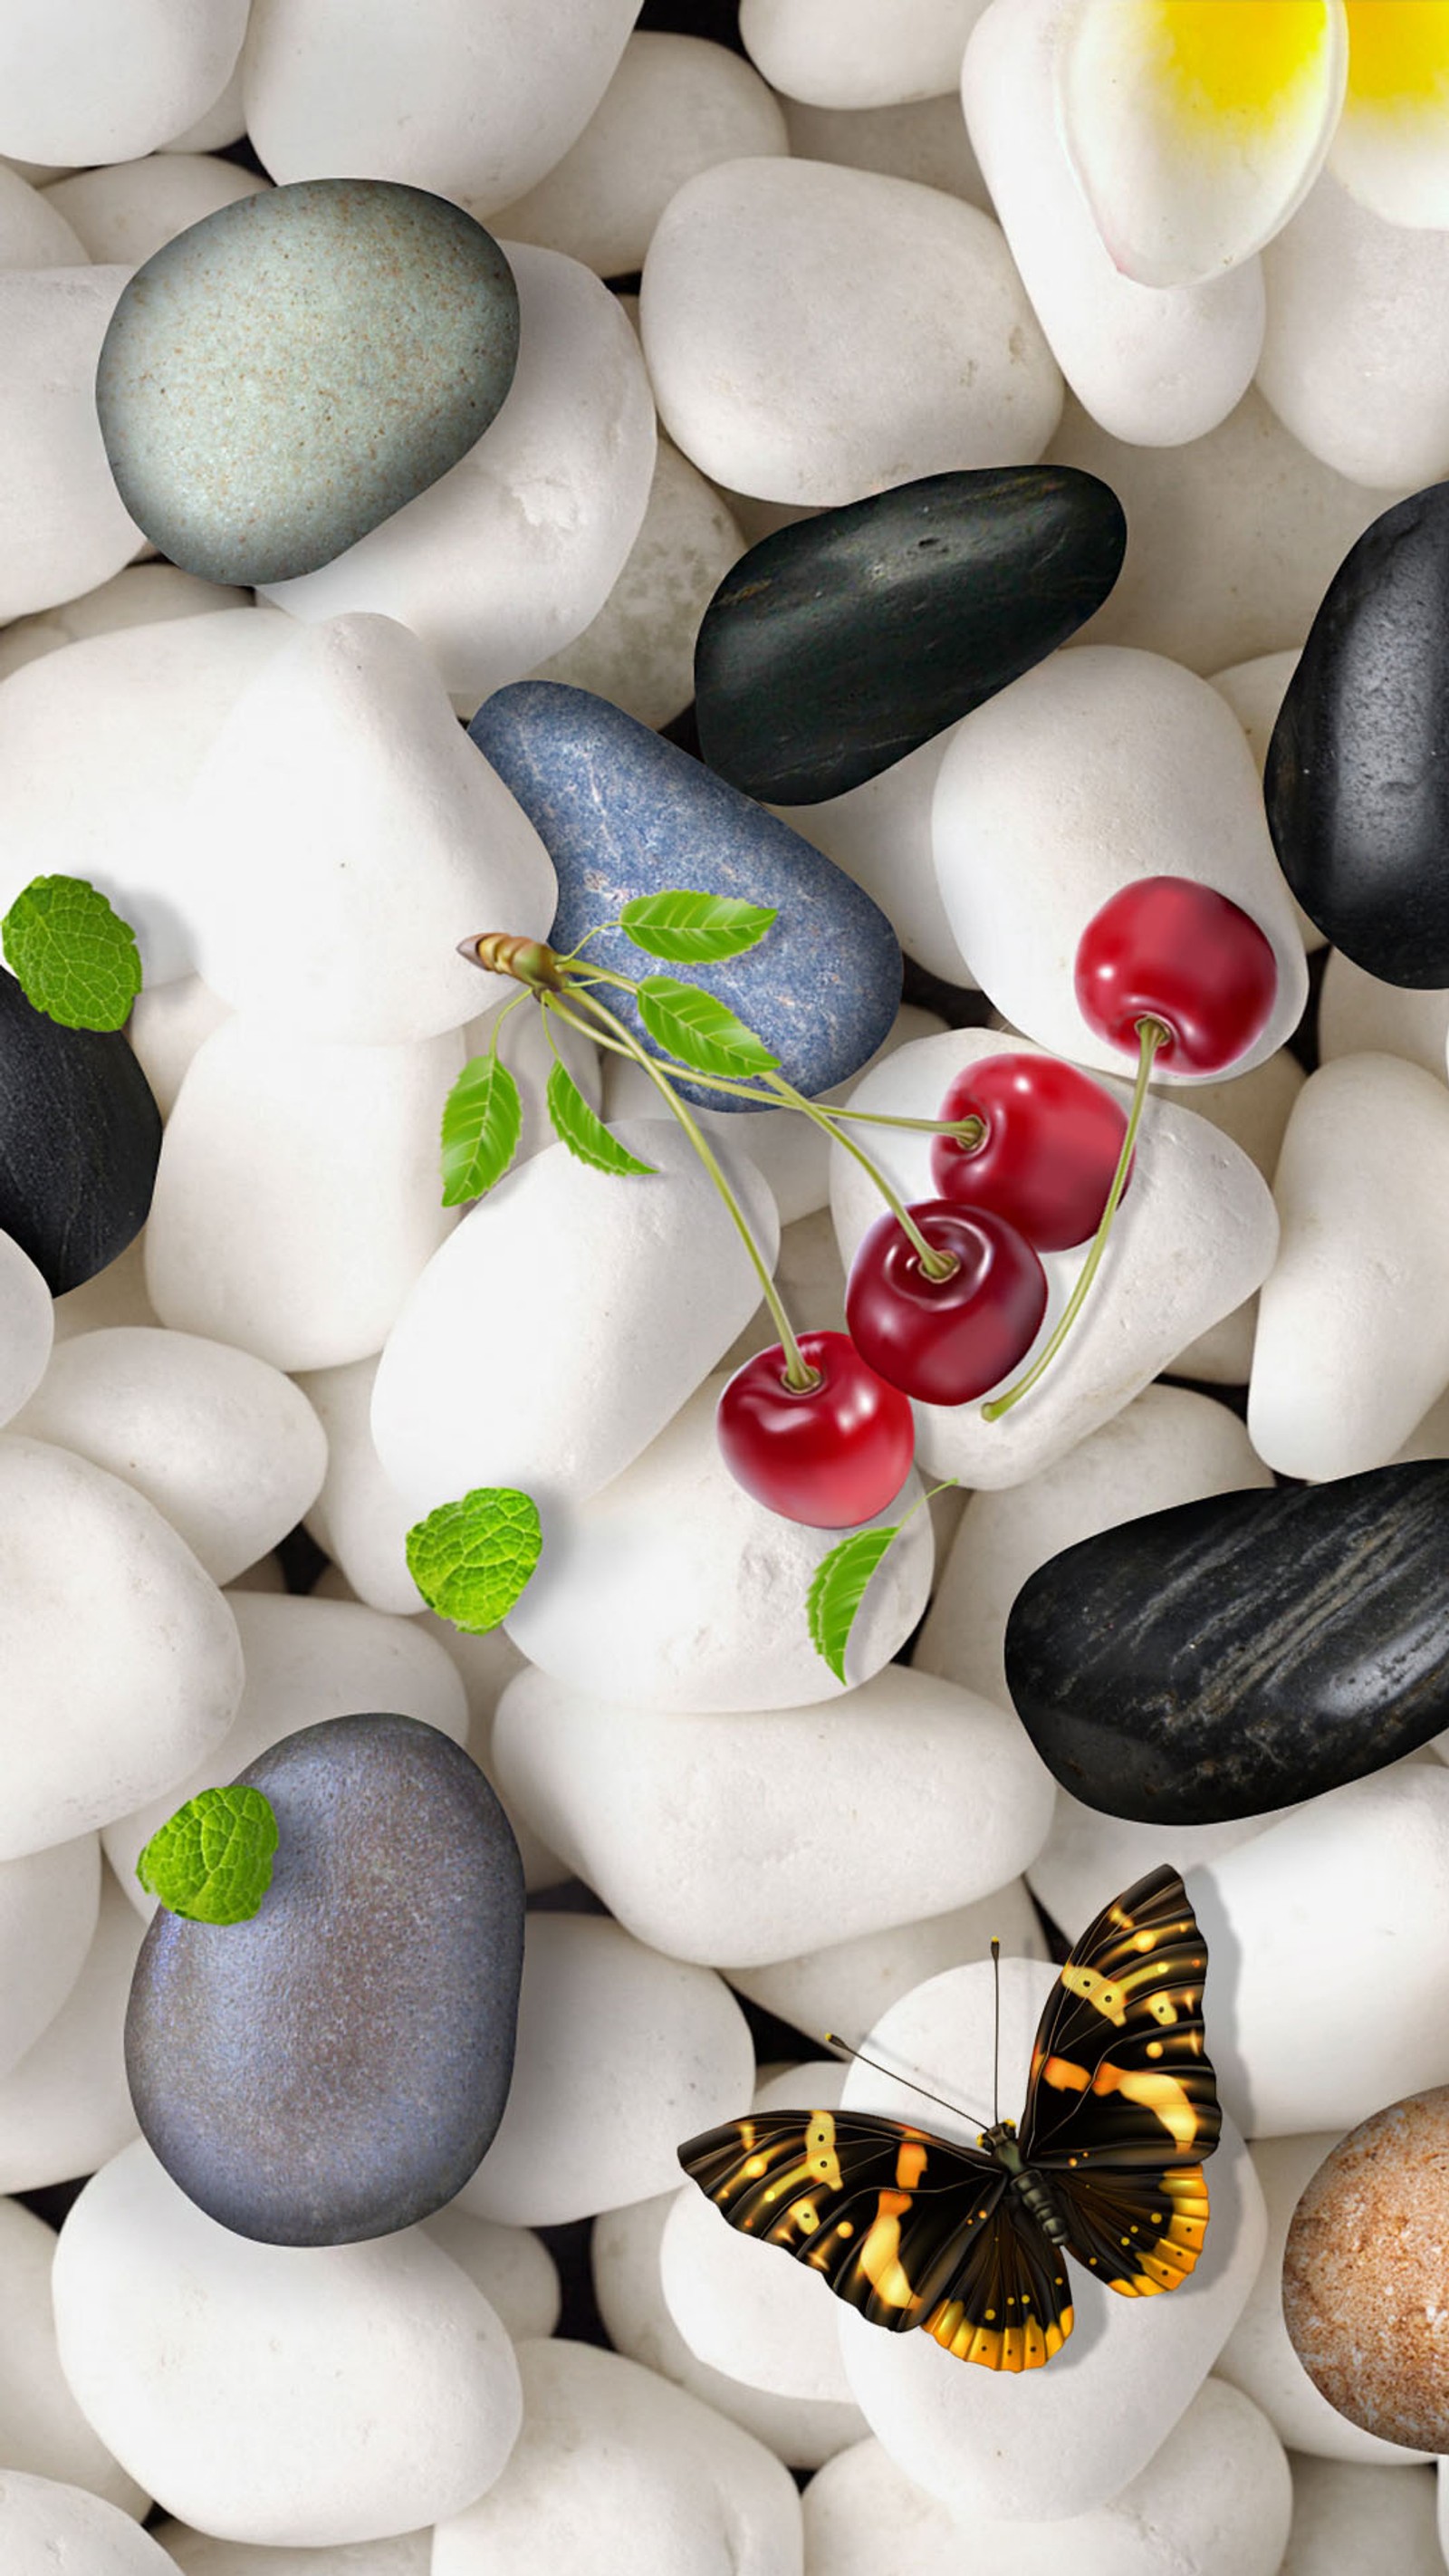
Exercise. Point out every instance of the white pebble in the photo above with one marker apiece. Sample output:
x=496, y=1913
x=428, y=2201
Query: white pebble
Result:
x=811, y=1283
x=48, y=1906
x=1300, y=2035
x=1095, y=769
x=849, y=1984
x=510, y=2265
x=1087, y=1856
x=1259, y=2357
x=46, y=2524
x=131, y=211
x=757, y=1836
x=145, y=594
x=358, y=1518
x=675, y=106
x=1216, y=2496
x=1359, y=1015
x=484, y=1662
x=1353, y=360
x=814, y=333
x=621, y=2053
x=166, y=1026
x=880, y=834
x=298, y=1196
x=1255, y=691
x=115, y=1295
x=66, y=2106
x=63, y=527
x=27, y=1327
x=1253, y=1110
x=926, y=140
x=230, y=1452
x=513, y=552
x=1195, y=1235
x=200, y=2553
x=219, y=125
x=1353, y=1333
x=306, y=1660
x=33, y=233
x=1156, y=366
x=674, y=1588
x=648, y=2478
x=565, y=1323
x=1364, y=2517
x=80, y=85
x=42, y=2430
x=273, y=2393
x=851, y=53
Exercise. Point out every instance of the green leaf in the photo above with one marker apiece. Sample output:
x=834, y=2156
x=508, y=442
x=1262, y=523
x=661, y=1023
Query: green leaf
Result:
x=482, y=1122
x=695, y=929
x=838, y=1588
x=212, y=1860
x=576, y=1126
x=471, y=1559
x=72, y=956
x=699, y=1029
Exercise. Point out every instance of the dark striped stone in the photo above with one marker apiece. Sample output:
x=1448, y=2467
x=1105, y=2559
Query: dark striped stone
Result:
x=1239, y=1654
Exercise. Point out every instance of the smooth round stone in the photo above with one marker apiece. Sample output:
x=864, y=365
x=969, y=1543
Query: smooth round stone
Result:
x=27, y=1327
x=122, y=1661
x=131, y=211
x=821, y=988
x=1087, y=1856
x=277, y=2394
x=606, y=1300
x=277, y=2073
x=1151, y=1694
x=344, y=751
x=33, y=233
x=199, y=2553
x=1354, y=802
x=639, y=650
x=306, y=1660
x=63, y=524
x=512, y=554
x=624, y=2251
x=1134, y=2364
x=1166, y=1447
x=1351, y=359
x=292, y=370
x=358, y=1518
x=1156, y=366
x=42, y=2431
x=1301, y=2039
x=229, y=1452
x=48, y=1907
x=1252, y=1110
x=355, y=88
x=1196, y=1234
x=78, y=87
x=699, y=1831
x=44, y=2520
x=65, y=2106
x=1217, y=2494
x=298, y=1196
x=659, y=2482
x=484, y=1663
x=853, y=1982
x=510, y=2265
x=166, y=1027
x=845, y=53
x=1231, y=539
x=815, y=333
x=880, y=834
x=1258, y=2356
x=621, y=2053
x=1345, y=2516
x=1363, y=2274
x=116, y=1295
x=925, y=140
x=674, y=107
x=80, y=1136
x=674, y=1589
x=1353, y=1340
x=1098, y=768
x=1360, y=1015
x=222, y=123
x=843, y=643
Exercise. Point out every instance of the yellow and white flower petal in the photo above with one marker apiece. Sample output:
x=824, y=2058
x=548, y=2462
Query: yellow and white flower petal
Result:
x=1392, y=146
x=1196, y=127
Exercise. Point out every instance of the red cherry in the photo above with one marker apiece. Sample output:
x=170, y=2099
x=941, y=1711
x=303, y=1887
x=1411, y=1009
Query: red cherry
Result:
x=1171, y=950
x=945, y=1340
x=1049, y=1152
x=831, y=1454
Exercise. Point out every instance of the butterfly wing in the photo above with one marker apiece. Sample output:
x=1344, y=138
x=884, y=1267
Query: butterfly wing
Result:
x=1009, y=2304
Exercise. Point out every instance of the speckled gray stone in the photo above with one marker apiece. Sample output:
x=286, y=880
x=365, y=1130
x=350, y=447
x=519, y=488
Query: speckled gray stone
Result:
x=336, y=2067
x=290, y=372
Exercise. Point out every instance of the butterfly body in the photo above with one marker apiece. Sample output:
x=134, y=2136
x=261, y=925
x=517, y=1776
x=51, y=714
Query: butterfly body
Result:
x=969, y=2242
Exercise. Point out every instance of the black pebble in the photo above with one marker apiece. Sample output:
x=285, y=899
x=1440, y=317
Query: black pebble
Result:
x=80, y=1137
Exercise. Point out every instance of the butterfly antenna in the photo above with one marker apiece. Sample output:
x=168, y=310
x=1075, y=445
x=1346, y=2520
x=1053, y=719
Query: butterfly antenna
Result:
x=843, y=2048
x=995, y=2032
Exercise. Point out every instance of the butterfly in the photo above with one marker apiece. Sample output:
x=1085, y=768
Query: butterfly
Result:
x=968, y=2242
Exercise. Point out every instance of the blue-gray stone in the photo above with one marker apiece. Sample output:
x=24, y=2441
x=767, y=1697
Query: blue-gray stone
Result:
x=624, y=813
x=289, y=372
x=336, y=2067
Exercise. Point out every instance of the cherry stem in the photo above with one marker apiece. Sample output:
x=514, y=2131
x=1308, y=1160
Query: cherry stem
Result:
x=1151, y=1034
x=936, y=1265
x=798, y=1375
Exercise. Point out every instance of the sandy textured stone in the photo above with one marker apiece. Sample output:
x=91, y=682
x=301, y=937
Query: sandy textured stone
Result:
x=846, y=53
x=129, y=212
x=1363, y=2274
x=65, y=2106
x=42, y=2430
x=851, y=1983
x=79, y=87
x=63, y=525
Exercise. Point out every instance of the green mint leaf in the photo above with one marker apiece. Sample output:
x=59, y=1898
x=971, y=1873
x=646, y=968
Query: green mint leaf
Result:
x=482, y=1122
x=471, y=1559
x=694, y=929
x=72, y=956
x=701, y=1030
x=837, y=1590
x=212, y=1860
x=575, y=1125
